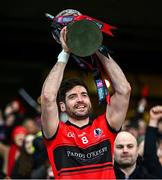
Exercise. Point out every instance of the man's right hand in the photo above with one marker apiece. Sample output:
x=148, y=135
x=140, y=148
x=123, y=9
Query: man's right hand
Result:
x=155, y=115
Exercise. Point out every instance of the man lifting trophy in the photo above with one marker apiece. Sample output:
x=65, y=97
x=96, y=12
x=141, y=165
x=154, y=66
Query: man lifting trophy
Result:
x=81, y=147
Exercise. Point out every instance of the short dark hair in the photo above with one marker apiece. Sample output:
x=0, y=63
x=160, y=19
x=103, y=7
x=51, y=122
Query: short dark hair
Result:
x=67, y=85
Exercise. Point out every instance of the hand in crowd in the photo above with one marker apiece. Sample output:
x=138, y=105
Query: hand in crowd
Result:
x=155, y=115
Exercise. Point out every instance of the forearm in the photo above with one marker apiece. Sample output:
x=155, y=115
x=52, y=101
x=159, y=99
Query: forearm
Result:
x=152, y=123
x=117, y=77
x=49, y=108
x=150, y=139
x=150, y=151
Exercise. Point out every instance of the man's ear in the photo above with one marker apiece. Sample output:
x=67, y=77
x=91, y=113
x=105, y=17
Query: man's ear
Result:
x=62, y=106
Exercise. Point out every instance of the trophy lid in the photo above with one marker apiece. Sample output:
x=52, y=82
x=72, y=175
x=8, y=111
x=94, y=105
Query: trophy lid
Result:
x=68, y=12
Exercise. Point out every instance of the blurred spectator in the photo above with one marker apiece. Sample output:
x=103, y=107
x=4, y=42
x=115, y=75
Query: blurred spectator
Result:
x=136, y=124
x=132, y=127
x=141, y=106
x=31, y=125
x=25, y=163
x=14, y=106
x=13, y=116
x=11, y=152
x=40, y=154
x=41, y=159
x=141, y=127
x=141, y=148
x=153, y=145
x=125, y=124
x=159, y=126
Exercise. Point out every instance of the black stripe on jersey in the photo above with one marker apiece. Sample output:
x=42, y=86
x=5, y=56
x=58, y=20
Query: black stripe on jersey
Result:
x=87, y=169
x=73, y=156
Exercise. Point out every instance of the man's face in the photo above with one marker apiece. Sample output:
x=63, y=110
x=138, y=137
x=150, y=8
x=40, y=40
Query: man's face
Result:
x=125, y=152
x=77, y=103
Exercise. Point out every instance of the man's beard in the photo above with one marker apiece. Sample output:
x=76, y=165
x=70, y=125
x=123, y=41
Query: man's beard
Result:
x=78, y=116
x=126, y=165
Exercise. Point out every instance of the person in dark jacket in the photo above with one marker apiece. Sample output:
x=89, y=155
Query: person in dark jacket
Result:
x=152, y=148
x=127, y=163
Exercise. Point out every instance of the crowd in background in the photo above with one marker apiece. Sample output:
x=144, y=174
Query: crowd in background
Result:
x=23, y=154
x=22, y=151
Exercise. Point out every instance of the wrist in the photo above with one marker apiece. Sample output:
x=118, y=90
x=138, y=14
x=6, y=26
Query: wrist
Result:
x=63, y=57
x=152, y=123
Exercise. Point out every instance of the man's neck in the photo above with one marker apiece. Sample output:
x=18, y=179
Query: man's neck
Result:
x=79, y=123
x=129, y=170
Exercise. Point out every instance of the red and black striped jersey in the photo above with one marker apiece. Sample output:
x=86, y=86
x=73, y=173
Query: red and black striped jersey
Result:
x=82, y=153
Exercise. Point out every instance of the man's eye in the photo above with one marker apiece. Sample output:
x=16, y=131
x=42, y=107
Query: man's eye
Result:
x=85, y=94
x=130, y=146
x=71, y=97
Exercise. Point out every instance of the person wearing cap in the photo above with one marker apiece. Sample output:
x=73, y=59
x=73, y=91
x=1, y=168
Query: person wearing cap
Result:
x=11, y=152
x=81, y=147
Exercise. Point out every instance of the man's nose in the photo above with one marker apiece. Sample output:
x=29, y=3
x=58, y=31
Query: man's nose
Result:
x=125, y=149
x=80, y=98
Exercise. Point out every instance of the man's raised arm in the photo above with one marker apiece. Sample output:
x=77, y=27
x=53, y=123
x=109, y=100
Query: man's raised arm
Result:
x=49, y=107
x=116, y=111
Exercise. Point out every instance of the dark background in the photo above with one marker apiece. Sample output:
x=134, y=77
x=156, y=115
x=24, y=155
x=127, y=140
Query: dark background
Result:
x=28, y=51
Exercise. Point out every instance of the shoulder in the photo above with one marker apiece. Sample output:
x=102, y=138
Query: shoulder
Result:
x=60, y=128
x=102, y=121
